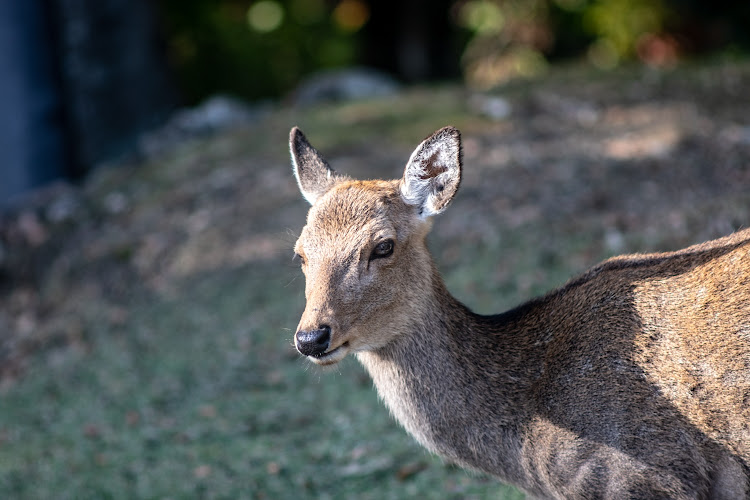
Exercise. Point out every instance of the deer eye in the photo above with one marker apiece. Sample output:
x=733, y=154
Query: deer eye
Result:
x=382, y=250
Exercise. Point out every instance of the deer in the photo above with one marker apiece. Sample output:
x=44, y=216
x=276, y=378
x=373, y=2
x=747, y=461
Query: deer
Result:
x=630, y=381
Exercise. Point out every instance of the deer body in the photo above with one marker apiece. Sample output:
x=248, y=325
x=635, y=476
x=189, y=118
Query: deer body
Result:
x=631, y=381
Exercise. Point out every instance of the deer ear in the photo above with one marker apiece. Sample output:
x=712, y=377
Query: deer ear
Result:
x=314, y=175
x=433, y=173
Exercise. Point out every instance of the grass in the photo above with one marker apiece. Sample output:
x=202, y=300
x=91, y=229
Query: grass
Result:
x=201, y=397
x=167, y=370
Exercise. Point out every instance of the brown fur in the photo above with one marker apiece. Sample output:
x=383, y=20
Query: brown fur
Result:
x=631, y=381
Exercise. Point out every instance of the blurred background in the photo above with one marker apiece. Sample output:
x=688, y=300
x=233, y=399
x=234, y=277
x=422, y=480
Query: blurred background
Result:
x=148, y=212
x=84, y=80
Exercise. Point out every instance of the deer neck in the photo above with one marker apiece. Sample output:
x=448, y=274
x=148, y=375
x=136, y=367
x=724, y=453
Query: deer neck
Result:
x=458, y=382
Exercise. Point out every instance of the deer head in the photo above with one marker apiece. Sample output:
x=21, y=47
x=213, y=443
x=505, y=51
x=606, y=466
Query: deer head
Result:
x=368, y=272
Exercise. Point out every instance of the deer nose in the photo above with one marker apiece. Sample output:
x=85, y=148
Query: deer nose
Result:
x=314, y=342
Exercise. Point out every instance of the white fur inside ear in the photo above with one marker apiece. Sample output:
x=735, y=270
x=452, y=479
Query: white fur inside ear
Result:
x=433, y=173
x=420, y=194
x=413, y=193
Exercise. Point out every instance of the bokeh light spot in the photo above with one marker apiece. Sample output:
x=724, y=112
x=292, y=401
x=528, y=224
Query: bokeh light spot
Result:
x=351, y=15
x=265, y=16
x=481, y=16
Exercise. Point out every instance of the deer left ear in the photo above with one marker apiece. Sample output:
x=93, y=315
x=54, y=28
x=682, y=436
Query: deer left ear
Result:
x=433, y=173
x=314, y=175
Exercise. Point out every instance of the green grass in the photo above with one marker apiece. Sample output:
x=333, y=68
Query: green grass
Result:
x=202, y=397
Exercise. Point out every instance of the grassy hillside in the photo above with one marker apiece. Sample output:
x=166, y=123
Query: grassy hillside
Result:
x=147, y=333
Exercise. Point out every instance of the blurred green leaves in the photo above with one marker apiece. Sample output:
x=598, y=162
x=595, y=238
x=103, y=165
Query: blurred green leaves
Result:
x=512, y=38
x=516, y=38
x=265, y=16
x=257, y=49
x=618, y=26
x=508, y=39
x=483, y=17
x=262, y=48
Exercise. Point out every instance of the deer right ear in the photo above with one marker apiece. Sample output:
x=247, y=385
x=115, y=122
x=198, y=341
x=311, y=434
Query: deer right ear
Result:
x=314, y=175
x=433, y=173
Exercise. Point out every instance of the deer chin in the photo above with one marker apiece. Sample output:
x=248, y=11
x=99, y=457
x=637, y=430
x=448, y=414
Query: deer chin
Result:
x=331, y=357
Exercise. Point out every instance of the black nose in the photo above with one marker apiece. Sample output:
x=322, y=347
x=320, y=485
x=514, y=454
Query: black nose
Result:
x=314, y=342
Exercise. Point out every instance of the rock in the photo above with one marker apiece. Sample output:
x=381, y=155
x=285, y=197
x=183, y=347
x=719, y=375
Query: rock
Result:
x=493, y=107
x=213, y=115
x=216, y=113
x=344, y=85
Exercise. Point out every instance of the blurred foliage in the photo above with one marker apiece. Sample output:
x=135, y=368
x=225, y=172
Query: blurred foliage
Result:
x=262, y=48
x=511, y=38
x=508, y=39
x=257, y=49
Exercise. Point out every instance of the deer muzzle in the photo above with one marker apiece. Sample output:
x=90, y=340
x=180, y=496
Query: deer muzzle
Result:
x=313, y=342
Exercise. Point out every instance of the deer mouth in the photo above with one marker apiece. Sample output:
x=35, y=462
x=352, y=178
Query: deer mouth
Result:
x=331, y=357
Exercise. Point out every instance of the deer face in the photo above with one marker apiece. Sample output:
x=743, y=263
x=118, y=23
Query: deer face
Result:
x=362, y=250
x=353, y=257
